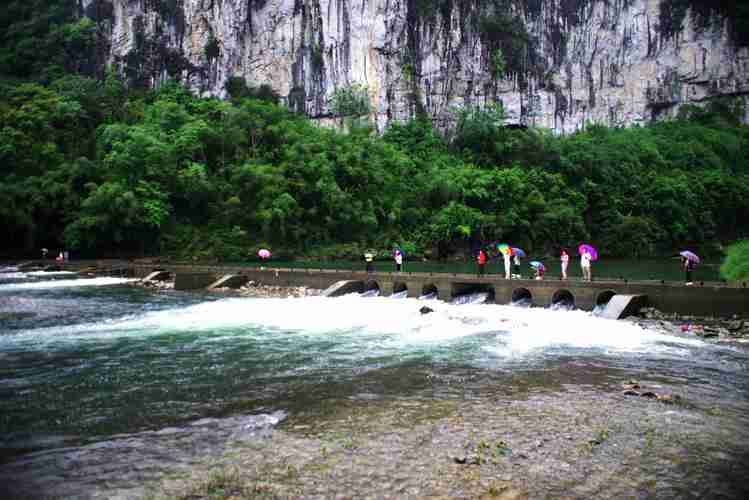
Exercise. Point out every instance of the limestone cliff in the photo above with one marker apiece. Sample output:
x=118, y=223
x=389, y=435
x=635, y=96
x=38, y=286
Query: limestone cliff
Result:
x=552, y=63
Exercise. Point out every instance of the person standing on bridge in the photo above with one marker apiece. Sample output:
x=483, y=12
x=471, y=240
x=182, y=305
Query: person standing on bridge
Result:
x=585, y=266
x=369, y=260
x=481, y=261
x=506, y=257
x=688, y=269
x=398, y=256
x=565, y=260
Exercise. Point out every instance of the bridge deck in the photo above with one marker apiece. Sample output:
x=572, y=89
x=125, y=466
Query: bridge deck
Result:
x=703, y=298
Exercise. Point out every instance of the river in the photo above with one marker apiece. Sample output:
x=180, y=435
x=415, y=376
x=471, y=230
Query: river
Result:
x=109, y=389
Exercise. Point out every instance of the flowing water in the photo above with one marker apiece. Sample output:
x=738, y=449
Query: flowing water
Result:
x=89, y=364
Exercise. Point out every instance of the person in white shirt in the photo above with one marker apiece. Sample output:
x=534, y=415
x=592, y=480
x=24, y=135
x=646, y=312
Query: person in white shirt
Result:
x=506, y=257
x=565, y=259
x=398, y=261
x=585, y=266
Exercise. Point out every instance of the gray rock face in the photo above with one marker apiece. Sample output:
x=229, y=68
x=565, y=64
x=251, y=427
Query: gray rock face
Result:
x=565, y=62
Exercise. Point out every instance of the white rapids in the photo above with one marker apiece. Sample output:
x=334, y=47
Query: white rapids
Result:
x=380, y=323
x=44, y=274
x=40, y=285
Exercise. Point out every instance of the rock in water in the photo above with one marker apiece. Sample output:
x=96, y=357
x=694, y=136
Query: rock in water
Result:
x=426, y=310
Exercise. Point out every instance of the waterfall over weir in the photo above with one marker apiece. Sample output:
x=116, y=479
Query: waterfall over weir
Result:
x=471, y=298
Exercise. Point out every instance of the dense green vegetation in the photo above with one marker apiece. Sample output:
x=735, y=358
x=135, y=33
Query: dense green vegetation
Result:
x=95, y=164
x=101, y=170
x=736, y=265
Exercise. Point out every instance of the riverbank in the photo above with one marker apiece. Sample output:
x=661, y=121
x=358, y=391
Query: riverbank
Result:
x=568, y=441
x=733, y=329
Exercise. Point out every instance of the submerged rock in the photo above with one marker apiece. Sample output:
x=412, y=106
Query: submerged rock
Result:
x=425, y=310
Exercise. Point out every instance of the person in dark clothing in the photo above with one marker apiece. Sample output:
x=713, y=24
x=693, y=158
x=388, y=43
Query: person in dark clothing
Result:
x=481, y=261
x=516, y=266
x=688, y=268
x=369, y=260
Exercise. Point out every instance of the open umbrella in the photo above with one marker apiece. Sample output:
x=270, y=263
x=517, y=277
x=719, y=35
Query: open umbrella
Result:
x=263, y=253
x=537, y=265
x=587, y=248
x=504, y=249
x=690, y=255
x=518, y=251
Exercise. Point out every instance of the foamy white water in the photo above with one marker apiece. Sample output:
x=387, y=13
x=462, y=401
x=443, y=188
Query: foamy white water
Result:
x=11, y=276
x=50, y=273
x=40, y=285
x=390, y=325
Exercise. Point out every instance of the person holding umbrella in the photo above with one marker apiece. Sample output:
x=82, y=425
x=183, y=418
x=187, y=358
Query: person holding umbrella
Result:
x=587, y=255
x=539, y=268
x=517, y=254
x=689, y=259
x=506, y=252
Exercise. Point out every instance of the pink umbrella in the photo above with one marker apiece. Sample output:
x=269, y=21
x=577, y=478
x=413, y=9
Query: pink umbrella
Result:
x=263, y=253
x=587, y=248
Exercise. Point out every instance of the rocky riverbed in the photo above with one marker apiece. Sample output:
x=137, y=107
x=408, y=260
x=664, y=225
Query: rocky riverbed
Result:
x=735, y=329
x=565, y=441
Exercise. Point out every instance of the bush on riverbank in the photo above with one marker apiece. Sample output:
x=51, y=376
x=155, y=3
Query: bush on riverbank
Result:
x=736, y=266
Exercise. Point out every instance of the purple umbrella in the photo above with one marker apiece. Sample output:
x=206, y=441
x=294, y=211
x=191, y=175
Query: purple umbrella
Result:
x=587, y=248
x=690, y=255
x=519, y=252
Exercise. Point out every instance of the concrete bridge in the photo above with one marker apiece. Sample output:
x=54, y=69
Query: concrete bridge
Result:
x=708, y=299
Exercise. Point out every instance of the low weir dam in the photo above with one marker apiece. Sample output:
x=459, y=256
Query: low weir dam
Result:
x=708, y=299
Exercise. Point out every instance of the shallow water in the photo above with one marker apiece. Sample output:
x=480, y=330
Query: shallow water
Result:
x=82, y=361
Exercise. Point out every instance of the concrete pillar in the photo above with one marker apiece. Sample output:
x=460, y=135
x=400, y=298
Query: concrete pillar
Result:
x=503, y=293
x=444, y=290
x=414, y=289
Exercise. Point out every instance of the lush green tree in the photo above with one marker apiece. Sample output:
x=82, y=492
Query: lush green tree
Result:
x=736, y=265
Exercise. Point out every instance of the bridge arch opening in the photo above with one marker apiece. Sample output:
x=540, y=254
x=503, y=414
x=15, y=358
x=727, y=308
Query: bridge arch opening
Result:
x=604, y=297
x=399, y=287
x=429, y=291
x=562, y=299
x=472, y=293
x=371, y=289
x=522, y=297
